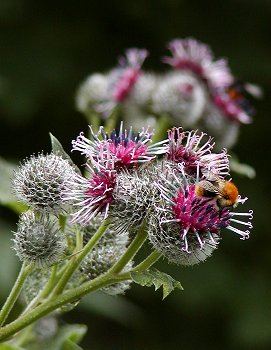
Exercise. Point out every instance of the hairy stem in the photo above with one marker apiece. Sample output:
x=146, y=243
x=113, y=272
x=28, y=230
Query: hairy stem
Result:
x=94, y=121
x=111, y=121
x=148, y=262
x=25, y=270
x=131, y=251
x=162, y=125
x=111, y=277
x=76, y=259
x=59, y=300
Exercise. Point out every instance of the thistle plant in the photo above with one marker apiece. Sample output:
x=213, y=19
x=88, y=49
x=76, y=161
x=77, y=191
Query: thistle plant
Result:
x=83, y=229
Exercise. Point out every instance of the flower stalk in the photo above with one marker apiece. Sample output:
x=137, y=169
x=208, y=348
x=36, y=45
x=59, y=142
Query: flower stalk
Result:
x=54, y=302
x=15, y=292
x=77, y=259
x=131, y=251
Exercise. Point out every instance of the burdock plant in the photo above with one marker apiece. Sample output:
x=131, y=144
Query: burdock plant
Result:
x=81, y=231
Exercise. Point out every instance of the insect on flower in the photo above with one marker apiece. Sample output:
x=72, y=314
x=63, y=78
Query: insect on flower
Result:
x=224, y=193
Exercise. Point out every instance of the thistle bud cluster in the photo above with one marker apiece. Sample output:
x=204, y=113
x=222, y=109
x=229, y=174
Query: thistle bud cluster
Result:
x=177, y=190
x=82, y=230
x=137, y=184
x=38, y=183
x=198, y=92
x=175, y=193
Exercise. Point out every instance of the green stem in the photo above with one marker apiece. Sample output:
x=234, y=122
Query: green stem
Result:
x=94, y=121
x=74, y=294
x=79, y=240
x=131, y=251
x=76, y=260
x=111, y=121
x=59, y=300
x=62, y=221
x=161, y=129
x=148, y=262
x=25, y=270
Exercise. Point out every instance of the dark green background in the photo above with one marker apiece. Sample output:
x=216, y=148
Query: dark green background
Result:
x=46, y=49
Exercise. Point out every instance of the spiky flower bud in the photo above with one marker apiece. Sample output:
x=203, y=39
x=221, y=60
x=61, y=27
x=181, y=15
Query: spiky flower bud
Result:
x=134, y=195
x=38, y=239
x=182, y=96
x=40, y=180
x=185, y=227
x=141, y=95
x=92, y=92
x=105, y=254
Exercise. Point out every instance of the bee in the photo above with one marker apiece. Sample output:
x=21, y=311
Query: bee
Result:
x=223, y=193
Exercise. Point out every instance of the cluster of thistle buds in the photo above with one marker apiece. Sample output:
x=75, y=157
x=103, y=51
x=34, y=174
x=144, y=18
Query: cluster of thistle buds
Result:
x=177, y=190
x=197, y=92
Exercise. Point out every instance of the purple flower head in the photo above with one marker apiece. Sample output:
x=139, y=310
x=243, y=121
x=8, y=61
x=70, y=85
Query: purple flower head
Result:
x=125, y=149
x=126, y=75
x=196, y=216
x=186, y=228
x=196, y=57
x=233, y=103
x=90, y=196
x=189, y=149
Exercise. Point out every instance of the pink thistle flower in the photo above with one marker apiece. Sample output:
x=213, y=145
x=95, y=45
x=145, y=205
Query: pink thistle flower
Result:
x=128, y=72
x=196, y=57
x=189, y=149
x=91, y=195
x=125, y=149
x=186, y=228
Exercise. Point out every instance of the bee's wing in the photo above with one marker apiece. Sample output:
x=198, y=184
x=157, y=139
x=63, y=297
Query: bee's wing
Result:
x=210, y=176
x=208, y=186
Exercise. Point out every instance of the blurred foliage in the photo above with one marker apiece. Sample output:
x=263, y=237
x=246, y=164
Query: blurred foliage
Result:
x=47, y=49
x=65, y=337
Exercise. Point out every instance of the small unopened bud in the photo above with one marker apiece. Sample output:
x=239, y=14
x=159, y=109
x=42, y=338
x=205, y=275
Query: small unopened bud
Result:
x=34, y=283
x=38, y=240
x=40, y=180
x=133, y=198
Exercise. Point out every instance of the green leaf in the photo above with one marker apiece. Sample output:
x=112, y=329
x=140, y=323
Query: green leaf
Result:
x=7, y=198
x=6, y=346
x=6, y=174
x=117, y=309
x=7, y=258
x=59, y=150
x=70, y=345
x=67, y=337
x=158, y=279
x=17, y=207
